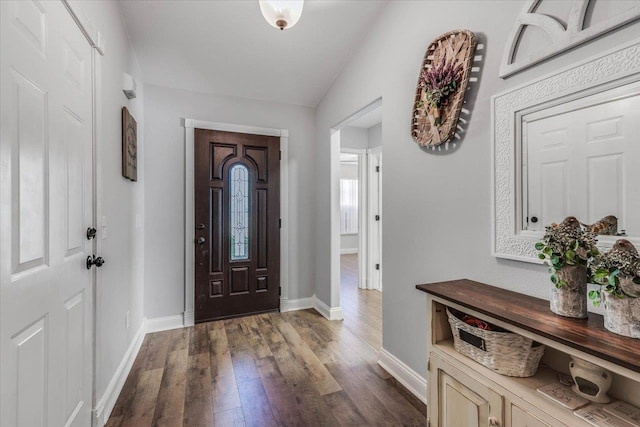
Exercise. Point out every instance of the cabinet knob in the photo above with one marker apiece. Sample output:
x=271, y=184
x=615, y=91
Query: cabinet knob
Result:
x=493, y=421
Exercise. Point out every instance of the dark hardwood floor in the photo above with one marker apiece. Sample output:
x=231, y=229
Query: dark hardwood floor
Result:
x=279, y=369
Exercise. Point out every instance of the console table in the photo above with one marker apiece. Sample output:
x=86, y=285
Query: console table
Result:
x=461, y=392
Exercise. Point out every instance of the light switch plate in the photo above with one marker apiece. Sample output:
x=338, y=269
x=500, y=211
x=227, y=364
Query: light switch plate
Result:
x=104, y=227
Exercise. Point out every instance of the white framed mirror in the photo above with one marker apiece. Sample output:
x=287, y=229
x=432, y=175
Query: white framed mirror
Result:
x=568, y=144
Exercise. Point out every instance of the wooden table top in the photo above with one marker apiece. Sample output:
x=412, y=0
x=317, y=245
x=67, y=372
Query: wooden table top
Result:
x=533, y=314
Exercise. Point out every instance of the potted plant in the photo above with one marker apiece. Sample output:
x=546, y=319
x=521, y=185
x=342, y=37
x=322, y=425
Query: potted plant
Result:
x=567, y=248
x=618, y=274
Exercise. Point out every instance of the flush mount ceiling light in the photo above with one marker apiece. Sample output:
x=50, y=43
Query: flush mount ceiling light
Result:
x=281, y=13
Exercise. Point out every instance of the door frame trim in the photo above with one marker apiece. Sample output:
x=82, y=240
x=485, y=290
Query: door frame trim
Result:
x=363, y=214
x=96, y=40
x=190, y=125
x=334, y=247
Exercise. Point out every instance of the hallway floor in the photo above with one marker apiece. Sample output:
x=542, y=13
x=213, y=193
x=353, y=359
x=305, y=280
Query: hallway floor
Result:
x=362, y=309
x=279, y=369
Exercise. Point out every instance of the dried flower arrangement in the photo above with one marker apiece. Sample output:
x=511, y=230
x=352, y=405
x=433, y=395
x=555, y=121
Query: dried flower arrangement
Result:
x=441, y=87
x=607, y=270
x=438, y=82
x=566, y=244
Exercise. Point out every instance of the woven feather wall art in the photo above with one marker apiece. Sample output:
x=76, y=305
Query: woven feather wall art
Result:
x=442, y=84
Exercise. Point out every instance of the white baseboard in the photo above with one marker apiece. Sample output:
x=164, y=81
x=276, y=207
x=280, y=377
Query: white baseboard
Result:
x=165, y=323
x=406, y=376
x=348, y=251
x=108, y=400
x=331, y=313
x=189, y=318
x=296, y=304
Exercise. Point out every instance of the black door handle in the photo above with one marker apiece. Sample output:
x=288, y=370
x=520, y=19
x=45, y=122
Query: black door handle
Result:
x=92, y=260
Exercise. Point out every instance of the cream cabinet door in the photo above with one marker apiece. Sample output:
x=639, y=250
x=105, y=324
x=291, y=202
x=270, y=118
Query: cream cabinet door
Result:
x=521, y=418
x=460, y=400
x=460, y=406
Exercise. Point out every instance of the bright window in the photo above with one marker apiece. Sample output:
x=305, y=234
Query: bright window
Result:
x=349, y=206
x=239, y=212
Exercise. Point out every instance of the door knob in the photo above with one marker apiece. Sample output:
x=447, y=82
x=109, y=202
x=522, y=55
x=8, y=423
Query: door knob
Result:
x=92, y=260
x=91, y=233
x=201, y=240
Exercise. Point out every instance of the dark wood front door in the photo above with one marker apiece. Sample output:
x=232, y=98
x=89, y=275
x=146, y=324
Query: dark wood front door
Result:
x=237, y=217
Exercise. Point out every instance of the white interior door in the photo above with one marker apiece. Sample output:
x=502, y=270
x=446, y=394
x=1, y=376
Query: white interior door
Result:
x=46, y=205
x=375, y=219
x=584, y=162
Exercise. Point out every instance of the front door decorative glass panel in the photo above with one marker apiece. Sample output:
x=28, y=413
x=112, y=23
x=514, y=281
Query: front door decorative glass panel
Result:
x=239, y=177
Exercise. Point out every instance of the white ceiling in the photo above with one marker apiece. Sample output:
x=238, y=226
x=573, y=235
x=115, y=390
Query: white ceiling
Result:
x=369, y=119
x=227, y=48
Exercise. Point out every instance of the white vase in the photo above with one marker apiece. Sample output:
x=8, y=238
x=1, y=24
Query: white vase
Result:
x=591, y=381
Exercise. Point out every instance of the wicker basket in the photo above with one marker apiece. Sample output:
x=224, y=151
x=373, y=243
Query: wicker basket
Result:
x=504, y=352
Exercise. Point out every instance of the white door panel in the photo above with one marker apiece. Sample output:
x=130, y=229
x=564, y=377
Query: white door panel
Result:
x=585, y=163
x=374, y=251
x=46, y=205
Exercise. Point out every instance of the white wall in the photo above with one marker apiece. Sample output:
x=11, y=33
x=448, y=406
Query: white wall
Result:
x=437, y=204
x=374, y=134
x=120, y=280
x=354, y=137
x=348, y=170
x=349, y=241
x=164, y=199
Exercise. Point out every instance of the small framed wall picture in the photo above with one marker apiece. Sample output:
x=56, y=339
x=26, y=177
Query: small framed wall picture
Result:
x=129, y=146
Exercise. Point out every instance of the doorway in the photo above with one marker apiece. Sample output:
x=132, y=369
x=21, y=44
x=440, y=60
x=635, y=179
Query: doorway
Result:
x=190, y=125
x=360, y=139
x=237, y=224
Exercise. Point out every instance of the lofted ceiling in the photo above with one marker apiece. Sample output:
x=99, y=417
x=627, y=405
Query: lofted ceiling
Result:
x=370, y=119
x=227, y=48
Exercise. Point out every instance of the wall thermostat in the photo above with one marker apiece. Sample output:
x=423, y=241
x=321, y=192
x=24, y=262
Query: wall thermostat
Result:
x=128, y=86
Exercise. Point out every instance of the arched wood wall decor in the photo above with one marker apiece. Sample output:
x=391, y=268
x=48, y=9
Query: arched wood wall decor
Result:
x=561, y=37
x=442, y=84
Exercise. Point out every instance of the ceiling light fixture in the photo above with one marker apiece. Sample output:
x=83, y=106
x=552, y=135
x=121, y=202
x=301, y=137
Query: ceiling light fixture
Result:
x=281, y=13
